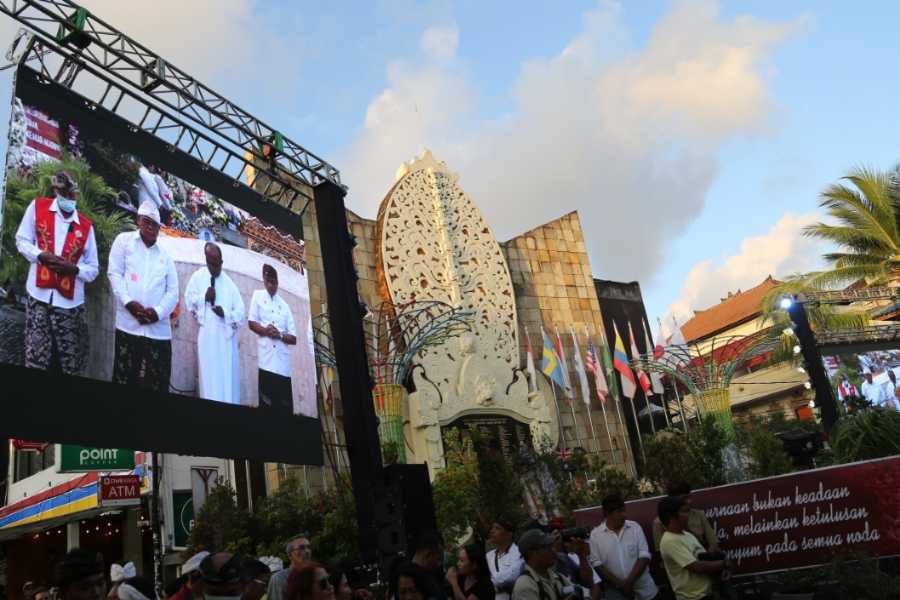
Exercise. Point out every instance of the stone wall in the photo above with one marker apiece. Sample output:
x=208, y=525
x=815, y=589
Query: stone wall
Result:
x=554, y=288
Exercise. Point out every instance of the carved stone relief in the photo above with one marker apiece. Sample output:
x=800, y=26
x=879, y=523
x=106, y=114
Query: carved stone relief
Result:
x=433, y=243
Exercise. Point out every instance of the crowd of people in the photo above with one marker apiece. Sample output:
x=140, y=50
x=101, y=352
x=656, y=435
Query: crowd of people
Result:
x=544, y=562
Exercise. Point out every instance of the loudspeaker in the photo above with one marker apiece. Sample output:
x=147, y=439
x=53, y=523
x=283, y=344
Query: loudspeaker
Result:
x=404, y=508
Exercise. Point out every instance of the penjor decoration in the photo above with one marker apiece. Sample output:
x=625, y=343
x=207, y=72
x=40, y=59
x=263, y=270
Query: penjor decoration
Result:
x=396, y=334
x=707, y=367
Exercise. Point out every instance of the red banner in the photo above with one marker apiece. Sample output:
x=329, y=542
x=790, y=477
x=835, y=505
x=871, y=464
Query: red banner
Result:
x=42, y=133
x=795, y=520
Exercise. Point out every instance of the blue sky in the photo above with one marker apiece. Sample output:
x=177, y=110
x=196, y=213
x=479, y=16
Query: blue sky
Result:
x=704, y=185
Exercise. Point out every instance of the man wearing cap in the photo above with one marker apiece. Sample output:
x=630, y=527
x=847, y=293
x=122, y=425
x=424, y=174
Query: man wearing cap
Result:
x=193, y=585
x=144, y=281
x=270, y=318
x=59, y=242
x=215, y=301
x=221, y=575
x=539, y=581
x=80, y=575
x=504, y=561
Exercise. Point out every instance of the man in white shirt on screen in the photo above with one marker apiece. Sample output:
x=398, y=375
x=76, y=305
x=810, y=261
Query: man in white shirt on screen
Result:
x=270, y=318
x=215, y=301
x=145, y=284
x=59, y=242
x=871, y=391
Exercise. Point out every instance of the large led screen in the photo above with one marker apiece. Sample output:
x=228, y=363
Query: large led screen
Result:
x=862, y=377
x=121, y=265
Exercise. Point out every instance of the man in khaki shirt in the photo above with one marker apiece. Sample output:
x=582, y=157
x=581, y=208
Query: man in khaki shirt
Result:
x=697, y=523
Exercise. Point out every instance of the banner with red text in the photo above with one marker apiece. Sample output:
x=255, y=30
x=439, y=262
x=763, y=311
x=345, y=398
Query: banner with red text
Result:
x=795, y=520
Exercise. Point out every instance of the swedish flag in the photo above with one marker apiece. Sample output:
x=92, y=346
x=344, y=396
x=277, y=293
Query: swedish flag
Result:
x=550, y=365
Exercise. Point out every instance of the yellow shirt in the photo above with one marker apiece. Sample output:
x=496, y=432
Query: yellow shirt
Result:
x=678, y=551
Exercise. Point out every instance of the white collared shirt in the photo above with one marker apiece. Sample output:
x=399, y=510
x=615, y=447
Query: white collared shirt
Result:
x=617, y=552
x=88, y=264
x=505, y=568
x=146, y=275
x=274, y=355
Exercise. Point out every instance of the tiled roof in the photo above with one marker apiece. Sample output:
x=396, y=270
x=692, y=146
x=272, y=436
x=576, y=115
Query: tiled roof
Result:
x=732, y=311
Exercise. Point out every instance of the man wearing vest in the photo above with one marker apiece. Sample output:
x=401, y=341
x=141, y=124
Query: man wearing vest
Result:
x=59, y=242
x=144, y=281
x=539, y=581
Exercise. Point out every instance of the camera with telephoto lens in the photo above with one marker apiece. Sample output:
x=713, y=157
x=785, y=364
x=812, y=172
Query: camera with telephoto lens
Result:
x=574, y=532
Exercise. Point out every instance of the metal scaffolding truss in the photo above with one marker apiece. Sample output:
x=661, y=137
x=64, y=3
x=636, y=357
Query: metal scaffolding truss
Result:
x=138, y=68
x=53, y=63
x=848, y=296
x=874, y=334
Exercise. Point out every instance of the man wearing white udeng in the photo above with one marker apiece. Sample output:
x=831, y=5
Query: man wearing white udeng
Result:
x=145, y=283
x=215, y=301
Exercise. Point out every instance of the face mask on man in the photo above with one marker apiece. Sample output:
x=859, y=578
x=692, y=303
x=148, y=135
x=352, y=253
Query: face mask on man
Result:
x=66, y=205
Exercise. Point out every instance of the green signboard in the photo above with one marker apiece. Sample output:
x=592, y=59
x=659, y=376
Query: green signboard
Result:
x=80, y=459
x=183, y=506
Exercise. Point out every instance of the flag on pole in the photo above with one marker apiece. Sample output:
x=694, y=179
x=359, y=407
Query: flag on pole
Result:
x=579, y=370
x=326, y=377
x=529, y=363
x=567, y=383
x=620, y=363
x=608, y=369
x=659, y=350
x=642, y=378
x=655, y=376
x=550, y=366
x=594, y=367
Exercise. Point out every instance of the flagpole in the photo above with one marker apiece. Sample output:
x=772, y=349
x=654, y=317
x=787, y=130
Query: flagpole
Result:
x=567, y=378
x=650, y=406
x=562, y=437
x=585, y=387
x=665, y=406
x=680, y=406
x=637, y=424
x=618, y=405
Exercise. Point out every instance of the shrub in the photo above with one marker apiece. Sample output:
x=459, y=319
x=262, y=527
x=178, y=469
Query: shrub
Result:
x=867, y=434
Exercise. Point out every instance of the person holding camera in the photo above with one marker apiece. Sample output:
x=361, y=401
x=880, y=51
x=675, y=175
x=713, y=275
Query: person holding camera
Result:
x=692, y=571
x=539, y=580
x=620, y=554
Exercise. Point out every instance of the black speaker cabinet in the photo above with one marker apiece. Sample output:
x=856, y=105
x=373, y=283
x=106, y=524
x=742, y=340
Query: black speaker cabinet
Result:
x=404, y=508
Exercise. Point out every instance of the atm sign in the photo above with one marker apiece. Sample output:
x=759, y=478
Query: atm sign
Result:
x=120, y=490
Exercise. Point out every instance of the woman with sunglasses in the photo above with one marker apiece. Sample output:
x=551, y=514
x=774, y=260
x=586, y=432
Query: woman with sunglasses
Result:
x=309, y=582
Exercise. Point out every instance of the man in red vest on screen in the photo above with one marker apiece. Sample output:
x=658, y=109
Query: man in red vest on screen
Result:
x=59, y=242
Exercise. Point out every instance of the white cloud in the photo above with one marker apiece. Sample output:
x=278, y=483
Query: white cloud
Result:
x=780, y=252
x=440, y=42
x=627, y=136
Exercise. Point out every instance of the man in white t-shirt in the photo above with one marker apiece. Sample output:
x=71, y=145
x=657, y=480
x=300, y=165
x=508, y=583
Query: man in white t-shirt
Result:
x=504, y=562
x=270, y=318
x=620, y=554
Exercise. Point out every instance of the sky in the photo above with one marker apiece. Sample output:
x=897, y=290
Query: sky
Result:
x=693, y=137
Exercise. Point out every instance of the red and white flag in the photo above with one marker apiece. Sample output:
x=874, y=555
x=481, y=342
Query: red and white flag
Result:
x=642, y=378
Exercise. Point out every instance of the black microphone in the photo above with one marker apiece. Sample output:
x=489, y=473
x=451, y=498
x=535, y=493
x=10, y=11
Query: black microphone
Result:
x=212, y=284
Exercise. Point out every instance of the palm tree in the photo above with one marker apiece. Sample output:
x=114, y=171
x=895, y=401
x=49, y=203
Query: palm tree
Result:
x=866, y=231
